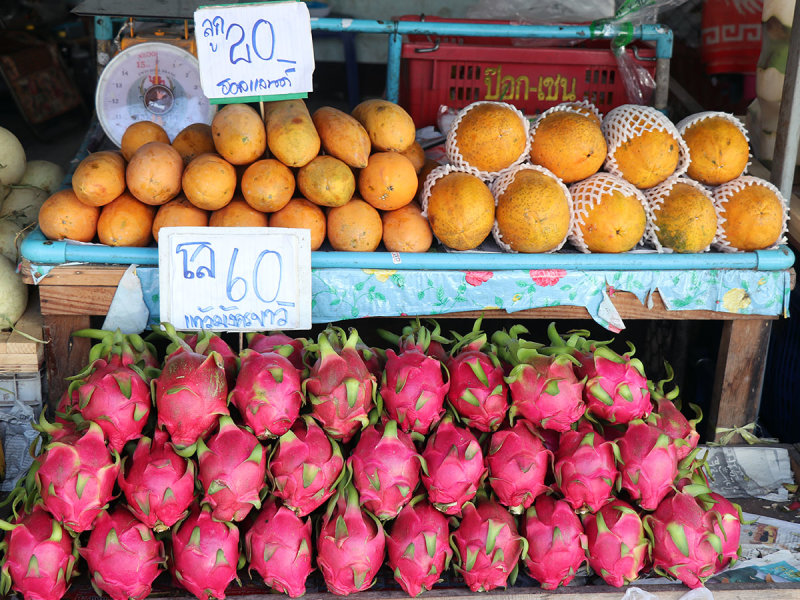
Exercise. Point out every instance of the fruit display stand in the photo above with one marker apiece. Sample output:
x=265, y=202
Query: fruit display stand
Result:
x=744, y=290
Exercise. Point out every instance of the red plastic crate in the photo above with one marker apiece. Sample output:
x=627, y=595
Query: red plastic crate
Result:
x=459, y=72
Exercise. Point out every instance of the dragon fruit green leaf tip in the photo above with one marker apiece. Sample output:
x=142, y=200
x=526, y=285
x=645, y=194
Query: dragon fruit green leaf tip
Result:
x=158, y=484
x=204, y=554
x=278, y=547
x=487, y=546
x=232, y=469
x=339, y=386
x=40, y=556
x=385, y=465
x=351, y=544
x=418, y=551
x=123, y=556
x=268, y=393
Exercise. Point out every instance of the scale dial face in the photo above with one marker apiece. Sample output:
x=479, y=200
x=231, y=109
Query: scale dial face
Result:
x=155, y=82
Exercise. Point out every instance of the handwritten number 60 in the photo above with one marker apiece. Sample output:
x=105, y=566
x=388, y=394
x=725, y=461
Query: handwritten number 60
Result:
x=273, y=266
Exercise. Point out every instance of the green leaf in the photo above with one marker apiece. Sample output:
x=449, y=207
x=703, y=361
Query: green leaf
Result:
x=493, y=531
x=477, y=370
x=472, y=556
x=470, y=398
x=125, y=385
x=341, y=529
x=430, y=543
x=309, y=474
x=374, y=481
x=678, y=536
x=410, y=551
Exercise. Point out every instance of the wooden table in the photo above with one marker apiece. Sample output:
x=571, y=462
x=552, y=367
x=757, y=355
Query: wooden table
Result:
x=71, y=294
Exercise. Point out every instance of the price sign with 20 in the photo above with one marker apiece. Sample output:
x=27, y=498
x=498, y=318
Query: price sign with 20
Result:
x=254, y=51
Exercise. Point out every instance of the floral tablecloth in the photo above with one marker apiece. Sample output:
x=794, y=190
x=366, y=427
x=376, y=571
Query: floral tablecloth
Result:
x=339, y=294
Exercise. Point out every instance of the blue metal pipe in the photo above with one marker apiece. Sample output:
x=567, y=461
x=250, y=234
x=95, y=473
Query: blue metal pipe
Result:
x=393, y=68
x=39, y=250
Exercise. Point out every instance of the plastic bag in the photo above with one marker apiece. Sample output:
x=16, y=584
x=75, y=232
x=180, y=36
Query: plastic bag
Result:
x=541, y=11
x=18, y=434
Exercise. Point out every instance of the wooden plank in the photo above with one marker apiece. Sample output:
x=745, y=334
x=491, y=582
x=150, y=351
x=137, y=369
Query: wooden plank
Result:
x=77, y=275
x=72, y=300
x=65, y=356
x=626, y=303
x=18, y=351
x=740, y=376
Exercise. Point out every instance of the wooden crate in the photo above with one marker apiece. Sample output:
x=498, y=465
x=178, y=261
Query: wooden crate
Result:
x=19, y=354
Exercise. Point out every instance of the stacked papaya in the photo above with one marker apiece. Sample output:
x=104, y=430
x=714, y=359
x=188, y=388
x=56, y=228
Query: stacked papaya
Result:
x=350, y=178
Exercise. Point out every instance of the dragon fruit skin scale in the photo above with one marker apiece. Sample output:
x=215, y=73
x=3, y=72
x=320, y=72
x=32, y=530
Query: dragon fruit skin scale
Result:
x=585, y=468
x=488, y=546
x=351, y=545
x=204, y=554
x=385, y=465
x=123, y=555
x=556, y=542
x=455, y=467
x=648, y=463
x=40, y=556
x=158, y=483
x=518, y=463
x=617, y=546
x=417, y=547
x=268, y=393
x=278, y=547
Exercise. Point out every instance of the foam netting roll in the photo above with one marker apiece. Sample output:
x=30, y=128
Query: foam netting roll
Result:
x=436, y=174
x=587, y=194
x=625, y=122
x=655, y=199
x=723, y=193
x=572, y=107
x=454, y=156
x=498, y=187
x=687, y=122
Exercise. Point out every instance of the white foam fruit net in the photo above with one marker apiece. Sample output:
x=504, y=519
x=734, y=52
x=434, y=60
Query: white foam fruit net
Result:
x=655, y=199
x=589, y=193
x=724, y=192
x=567, y=107
x=499, y=187
x=628, y=121
x=454, y=156
x=687, y=122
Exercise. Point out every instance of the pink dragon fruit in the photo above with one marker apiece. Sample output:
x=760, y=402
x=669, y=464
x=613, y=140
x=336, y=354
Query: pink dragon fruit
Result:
x=556, y=542
x=648, y=463
x=417, y=547
x=725, y=520
x=684, y=544
x=268, y=393
x=278, y=547
x=39, y=557
x=274, y=341
x=207, y=342
x=350, y=546
x=585, y=468
x=544, y=390
x=414, y=334
x=455, y=467
x=413, y=388
x=75, y=474
x=385, y=467
x=190, y=394
x=617, y=391
x=124, y=557
x=617, y=546
x=116, y=397
x=668, y=417
x=478, y=391
x=204, y=554
x=518, y=463
x=340, y=388
x=232, y=469
x=305, y=466
x=488, y=546
x=158, y=484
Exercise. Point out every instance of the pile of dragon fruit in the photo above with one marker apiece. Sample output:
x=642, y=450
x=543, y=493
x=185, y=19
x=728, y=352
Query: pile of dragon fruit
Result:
x=484, y=453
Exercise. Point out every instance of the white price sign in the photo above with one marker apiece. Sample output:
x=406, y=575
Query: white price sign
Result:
x=251, y=52
x=235, y=278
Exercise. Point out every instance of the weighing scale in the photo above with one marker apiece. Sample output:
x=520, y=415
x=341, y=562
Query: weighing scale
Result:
x=151, y=81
